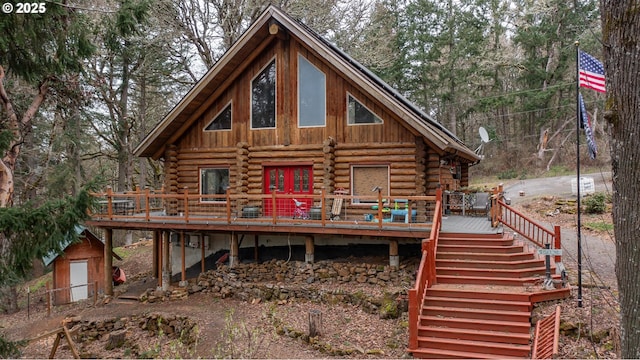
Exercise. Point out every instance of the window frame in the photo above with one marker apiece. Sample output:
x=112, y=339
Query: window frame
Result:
x=324, y=84
x=275, y=100
x=364, y=106
x=356, y=200
x=201, y=172
x=229, y=106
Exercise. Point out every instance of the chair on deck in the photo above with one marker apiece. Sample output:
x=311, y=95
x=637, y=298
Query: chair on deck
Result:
x=336, y=209
x=401, y=211
x=480, y=204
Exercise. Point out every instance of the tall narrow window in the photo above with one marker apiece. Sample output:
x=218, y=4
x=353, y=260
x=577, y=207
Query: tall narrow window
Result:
x=312, y=94
x=222, y=121
x=213, y=181
x=263, y=98
x=357, y=113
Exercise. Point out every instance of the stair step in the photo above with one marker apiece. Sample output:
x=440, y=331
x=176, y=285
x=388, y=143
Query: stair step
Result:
x=489, y=304
x=479, y=264
x=475, y=335
x=453, y=354
x=491, y=272
x=475, y=346
x=486, y=280
x=476, y=242
x=470, y=255
x=505, y=293
x=448, y=235
x=488, y=325
x=480, y=314
x=511, y=249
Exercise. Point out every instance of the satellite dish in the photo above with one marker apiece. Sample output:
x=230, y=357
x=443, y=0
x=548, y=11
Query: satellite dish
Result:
x=483, y=134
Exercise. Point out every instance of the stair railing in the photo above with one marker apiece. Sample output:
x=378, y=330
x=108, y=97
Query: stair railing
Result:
x=426, y=274
x=546, y=337
x=502, y=213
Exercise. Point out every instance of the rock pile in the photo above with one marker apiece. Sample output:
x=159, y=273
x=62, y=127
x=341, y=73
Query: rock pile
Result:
x=324, y=281
x=174, y=327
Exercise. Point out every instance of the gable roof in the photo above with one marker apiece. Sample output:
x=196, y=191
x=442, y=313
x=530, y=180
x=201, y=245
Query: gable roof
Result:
x=82, y=233
x=203, y=93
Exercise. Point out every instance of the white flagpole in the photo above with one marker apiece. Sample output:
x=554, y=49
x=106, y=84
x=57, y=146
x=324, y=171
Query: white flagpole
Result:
x=577, y=43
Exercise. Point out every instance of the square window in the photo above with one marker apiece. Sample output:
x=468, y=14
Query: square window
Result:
x=366, y=178
x=213, y=181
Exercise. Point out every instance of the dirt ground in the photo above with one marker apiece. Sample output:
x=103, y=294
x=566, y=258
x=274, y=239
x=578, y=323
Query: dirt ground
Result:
x=227, y=328
x=231, y=328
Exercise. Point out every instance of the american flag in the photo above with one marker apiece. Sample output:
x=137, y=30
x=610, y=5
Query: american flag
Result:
x=591, y=72
x=585, y=123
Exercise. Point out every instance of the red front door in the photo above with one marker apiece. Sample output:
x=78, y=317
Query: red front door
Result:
x=287, y=180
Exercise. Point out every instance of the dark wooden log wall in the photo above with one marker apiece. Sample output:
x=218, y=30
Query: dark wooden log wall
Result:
x=331, y=149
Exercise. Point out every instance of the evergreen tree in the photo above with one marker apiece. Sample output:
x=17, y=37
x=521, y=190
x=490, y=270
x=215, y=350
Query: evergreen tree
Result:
x=545, y=33
x=39, y=52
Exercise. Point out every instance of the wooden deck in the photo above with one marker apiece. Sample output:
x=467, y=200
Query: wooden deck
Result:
x=450, y=224
x=468, y=225
x=188, y=212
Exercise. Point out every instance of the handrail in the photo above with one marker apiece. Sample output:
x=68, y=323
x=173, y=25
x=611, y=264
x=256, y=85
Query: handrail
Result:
x=523, y=225
x=426, y=275
x=546, y=337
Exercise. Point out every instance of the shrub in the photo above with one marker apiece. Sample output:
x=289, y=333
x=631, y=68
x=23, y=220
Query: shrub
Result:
x=596, y=203
x=508, y=174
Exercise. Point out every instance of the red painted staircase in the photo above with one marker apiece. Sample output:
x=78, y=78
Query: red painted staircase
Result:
x=480, y=307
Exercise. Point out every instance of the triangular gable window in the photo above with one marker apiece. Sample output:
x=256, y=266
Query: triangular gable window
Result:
x=222, y=121
x=358, y=114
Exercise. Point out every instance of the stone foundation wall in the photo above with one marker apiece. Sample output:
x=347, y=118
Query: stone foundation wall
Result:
x=367, y=285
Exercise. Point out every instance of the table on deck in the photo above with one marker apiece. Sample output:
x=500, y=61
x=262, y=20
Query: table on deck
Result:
x=119, y=207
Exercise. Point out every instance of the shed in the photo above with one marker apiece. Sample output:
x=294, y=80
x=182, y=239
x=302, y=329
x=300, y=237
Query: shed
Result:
x=79, y=270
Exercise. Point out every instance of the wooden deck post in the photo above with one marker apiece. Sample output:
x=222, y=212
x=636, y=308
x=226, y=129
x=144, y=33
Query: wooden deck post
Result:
x=156, y=241
x=233, y=250
x=166, y=262
x=159, y=259
x=394, y=258
x=108, y=261
x=309, y=252
x=557, y=242
x=256, y=255
x=183, y=277
x=109, y=202
x=202, y=254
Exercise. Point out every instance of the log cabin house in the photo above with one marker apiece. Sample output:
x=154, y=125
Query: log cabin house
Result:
x=289, y=140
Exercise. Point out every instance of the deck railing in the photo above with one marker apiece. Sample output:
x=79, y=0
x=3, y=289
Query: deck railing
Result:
x=271, y=209
x=426, y=275
x=501, y=212
x=546, y=337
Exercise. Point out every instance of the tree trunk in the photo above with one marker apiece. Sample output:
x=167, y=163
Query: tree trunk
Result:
x=620, y=28
x=19, y=127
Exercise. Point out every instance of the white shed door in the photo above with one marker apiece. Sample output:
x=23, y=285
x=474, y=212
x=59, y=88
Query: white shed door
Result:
x=78, y=279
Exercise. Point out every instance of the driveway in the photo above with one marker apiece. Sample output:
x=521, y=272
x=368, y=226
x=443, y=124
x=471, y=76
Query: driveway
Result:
x=598, y=252
x=557, y=186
